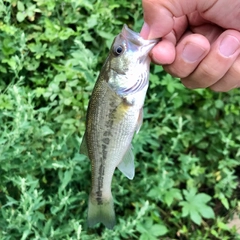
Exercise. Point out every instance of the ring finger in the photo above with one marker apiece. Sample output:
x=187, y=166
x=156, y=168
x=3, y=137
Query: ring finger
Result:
x=230, y=80
x=224, y=51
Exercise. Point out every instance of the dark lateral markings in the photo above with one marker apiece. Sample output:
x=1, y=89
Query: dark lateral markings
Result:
x=101, y=171
x=109, y=124
x=100, y=183
x=106, y=140
x=104, y=151
x=107, y=133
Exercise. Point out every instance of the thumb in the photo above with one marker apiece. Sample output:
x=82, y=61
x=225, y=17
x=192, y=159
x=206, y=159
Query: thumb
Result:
x=158, y=19
x=159, y=14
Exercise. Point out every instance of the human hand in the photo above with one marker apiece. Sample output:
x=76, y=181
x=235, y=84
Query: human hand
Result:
x=201, y=40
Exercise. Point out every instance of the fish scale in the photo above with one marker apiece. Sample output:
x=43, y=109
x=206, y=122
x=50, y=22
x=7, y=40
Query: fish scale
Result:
x=114, y=114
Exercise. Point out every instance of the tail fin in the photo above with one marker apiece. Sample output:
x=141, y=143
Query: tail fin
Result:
x=103, y=213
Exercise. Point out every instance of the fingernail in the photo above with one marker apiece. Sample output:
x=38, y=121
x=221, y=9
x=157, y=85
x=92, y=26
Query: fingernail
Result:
x=192, y=53
x=145, y=31
x=229, y=45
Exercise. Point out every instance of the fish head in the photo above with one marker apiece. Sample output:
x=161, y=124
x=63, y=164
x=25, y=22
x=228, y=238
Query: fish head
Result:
x=129, y=61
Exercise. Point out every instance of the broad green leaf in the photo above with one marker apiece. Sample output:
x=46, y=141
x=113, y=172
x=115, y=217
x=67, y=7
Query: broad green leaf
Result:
x=222, y=225
x=185, y=208
x=147, y=236
x=158, y=230
x=172, y=194
x=219, y=103
x=202, y=198
x=46, y=131
x=20, y=6
x=195, y=216
x=207, y=212
x=20, y=16
x=195, y=206
x=224, y=202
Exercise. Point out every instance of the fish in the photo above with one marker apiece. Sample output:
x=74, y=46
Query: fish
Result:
x=114, y=115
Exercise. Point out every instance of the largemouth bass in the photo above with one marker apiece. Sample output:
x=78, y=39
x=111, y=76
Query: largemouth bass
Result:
x=114, y=114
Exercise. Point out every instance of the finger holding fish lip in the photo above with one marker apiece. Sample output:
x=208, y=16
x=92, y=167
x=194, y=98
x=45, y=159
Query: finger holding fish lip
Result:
x=164, y=52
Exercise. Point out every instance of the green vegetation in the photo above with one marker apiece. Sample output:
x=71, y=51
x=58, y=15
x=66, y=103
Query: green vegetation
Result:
x=187, y=151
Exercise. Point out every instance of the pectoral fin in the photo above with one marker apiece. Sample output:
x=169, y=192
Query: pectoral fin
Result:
x=83, y=146
x=140, y=120
x=126, y=166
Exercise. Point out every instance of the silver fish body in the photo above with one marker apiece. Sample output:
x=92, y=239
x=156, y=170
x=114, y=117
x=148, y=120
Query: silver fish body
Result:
x=114, y=115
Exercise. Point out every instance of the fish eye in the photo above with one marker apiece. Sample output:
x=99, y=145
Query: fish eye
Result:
x=118, y=50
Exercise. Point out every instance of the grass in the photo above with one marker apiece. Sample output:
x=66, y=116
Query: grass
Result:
x=186, y=153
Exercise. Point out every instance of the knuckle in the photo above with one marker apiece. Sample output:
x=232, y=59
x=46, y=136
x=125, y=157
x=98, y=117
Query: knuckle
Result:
x=235, y=70
x=204, y=76
x=188, y=83
x=208, y=73
x=218, y=87
x=176, y=72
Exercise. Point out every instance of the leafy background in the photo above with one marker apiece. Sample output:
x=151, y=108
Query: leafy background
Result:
x=187, y=152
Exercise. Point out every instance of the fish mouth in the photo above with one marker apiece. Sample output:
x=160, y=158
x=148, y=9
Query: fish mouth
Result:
x=135, y=39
